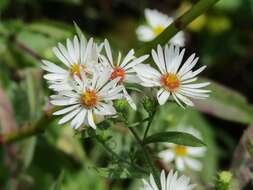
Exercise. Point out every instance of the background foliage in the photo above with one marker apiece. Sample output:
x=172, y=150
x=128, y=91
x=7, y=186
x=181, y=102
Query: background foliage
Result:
x=59, y=158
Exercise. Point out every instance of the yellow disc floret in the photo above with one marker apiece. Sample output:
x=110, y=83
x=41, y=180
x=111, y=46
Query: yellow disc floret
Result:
x=89, y=99
x=180, y=150
x=75, y=69
x=170, y=82
x=158, y=30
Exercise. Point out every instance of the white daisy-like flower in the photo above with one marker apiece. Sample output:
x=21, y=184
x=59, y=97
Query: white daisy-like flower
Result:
x=184, y=155
x=88, y=98
x=174, y=78
x=156, y=24
x=170, y=182
x=123, y=69
x=79, y=56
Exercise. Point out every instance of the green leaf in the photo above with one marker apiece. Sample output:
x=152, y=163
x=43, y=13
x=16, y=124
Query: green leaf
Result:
x=117, y=172
x=227, y=104
x=180, y=138
x=57, y=185
x=4, y=4
x=27, y=151
x=55, y=30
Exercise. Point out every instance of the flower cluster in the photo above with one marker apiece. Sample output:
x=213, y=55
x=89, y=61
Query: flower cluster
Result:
x=90, y=78
x=89, y=81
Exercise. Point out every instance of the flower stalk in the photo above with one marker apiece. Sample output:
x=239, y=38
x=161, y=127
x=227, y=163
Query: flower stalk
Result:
x=147, y=156
x=180, y=23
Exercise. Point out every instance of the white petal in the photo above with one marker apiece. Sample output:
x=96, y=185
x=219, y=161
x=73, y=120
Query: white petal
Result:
x=91, y=120
x=79, y=119
x=61, y=56
x=145, y=33
x=194, y=164
x=69, y=116
x=163, y=180
x=129, y=99
x=167, y=156
x=57, y=77
x=184, y=99
x=129, y=57
x=53, y=68
x=147, y=71
x=180, y=163
x=108, y=51
x=160, y=65
x=196, y=151
x=136, y=62
x=65, y=110
x=162, y=96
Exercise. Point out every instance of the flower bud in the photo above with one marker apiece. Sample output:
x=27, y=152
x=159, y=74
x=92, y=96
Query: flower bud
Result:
x=121, y=105
x=149, y=105
x=224, y=180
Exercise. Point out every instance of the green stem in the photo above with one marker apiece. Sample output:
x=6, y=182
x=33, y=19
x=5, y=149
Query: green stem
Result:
x=147, y=157
x=27, y=130
x=108, y=149
x=180, y=23
x=148, y=126
x=138, y=123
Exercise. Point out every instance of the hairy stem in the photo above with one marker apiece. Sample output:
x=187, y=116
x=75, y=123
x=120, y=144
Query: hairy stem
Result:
x=148, y=126
x=147, y=157
x=27, y=130
x=114, y=154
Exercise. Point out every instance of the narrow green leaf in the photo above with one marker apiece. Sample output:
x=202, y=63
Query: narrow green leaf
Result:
x=116, y=172
x=175, y=137
x=227, y=104
x=27, y=150
x=57, y=185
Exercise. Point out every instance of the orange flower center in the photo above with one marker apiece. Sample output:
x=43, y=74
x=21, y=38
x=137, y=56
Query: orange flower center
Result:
x=170, y=82
x=180, y=150
x=118, y=72
x=158, y=30
x=75, y=69
x=89, y=99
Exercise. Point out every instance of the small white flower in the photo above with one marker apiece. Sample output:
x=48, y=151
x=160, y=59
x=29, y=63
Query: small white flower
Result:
x=88, y=98
x=184, y=155
x=170, y=182
x=173, y=78
x=123, y=69
x=156, y=24
x=78, y=57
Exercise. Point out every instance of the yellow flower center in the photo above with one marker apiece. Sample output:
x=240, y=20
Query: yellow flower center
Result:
x=158, y=30
x=180, y=150
x=118, y=72
x=170, y=82
x=89, y=99
x=75, y=69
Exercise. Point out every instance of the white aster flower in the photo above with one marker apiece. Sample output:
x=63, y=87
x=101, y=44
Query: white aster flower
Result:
x=156, y=24
x=184, y=155
x=170, y=182
x=123, y=69
x=87, y=99
x=78, y=57
x=173, y=77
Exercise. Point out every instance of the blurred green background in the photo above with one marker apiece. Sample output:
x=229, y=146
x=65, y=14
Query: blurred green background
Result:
x=59, y=158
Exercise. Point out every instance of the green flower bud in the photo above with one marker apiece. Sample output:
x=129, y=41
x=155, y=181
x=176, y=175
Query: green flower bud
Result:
x=224, y=180
x=149, y=105
x=121, y=105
